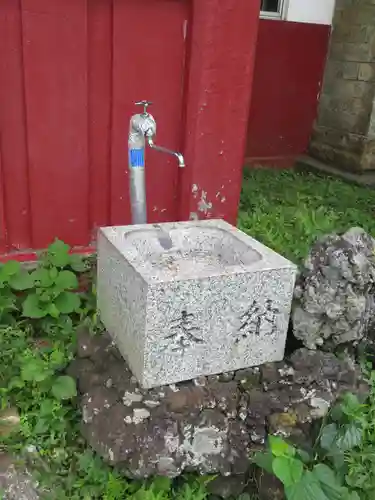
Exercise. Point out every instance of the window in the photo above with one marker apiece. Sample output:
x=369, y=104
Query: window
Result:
x=272, y=8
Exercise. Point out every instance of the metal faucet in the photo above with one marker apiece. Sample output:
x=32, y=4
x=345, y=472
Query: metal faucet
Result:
x=142, y=127
x=179, y=156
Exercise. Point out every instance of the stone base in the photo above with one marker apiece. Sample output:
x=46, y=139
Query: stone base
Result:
x=307, y=163
x=350, y=152
x=208, y=425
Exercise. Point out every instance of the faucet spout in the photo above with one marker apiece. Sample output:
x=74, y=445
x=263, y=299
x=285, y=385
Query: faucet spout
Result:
x=179, y=156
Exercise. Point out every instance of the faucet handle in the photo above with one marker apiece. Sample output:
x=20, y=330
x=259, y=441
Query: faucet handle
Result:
x=145, y=105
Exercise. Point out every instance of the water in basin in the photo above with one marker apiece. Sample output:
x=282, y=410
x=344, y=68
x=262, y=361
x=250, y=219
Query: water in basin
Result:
x=188, y=251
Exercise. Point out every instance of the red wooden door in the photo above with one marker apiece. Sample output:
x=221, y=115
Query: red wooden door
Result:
x=70, y=71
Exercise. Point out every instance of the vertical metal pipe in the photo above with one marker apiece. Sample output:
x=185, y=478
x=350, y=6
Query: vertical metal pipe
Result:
x=141, y=125
x=137, y=178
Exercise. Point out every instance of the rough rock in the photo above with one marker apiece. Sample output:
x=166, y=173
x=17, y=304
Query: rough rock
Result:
x=227, y=487
x=15, y=484
x=269, y=487
x=208, y=425
x=334, y=299
x=9, y=421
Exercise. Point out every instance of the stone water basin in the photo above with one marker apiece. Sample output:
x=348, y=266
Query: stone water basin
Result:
x=186, y=299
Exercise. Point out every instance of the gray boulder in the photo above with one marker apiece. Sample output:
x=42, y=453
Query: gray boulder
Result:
x=334, y=294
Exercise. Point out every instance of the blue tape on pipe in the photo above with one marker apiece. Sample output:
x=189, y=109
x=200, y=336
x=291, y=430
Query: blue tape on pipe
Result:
x=136, y=158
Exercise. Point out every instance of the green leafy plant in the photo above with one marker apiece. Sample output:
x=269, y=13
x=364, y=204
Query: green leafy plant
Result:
x=35, y=369
x=301, y=477
x=163, y=488
x=52, y=295
x=12, y=278
x=50, y=292
x=54, y=285
x=58, y=256
x=89, y=315
x=342, y=463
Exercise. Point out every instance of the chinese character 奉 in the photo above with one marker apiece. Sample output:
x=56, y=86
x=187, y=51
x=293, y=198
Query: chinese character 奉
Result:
x=183, y=333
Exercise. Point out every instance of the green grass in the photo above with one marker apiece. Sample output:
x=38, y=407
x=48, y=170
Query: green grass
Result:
x=287, y=210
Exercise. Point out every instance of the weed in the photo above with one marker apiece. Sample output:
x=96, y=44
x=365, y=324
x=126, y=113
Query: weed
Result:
x=341, y=464
x=47, y=294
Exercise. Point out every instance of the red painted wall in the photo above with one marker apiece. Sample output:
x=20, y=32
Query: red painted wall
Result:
x=289, y=67
x=70, y=71
x=66, y=98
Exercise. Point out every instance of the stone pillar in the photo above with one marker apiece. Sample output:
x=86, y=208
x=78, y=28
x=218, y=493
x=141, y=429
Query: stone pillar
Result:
x=344, y=133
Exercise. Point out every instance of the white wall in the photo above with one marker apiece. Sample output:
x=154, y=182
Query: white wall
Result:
x=310, y=11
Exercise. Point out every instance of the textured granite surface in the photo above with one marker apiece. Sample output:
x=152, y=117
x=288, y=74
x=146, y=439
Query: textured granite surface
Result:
x=192, y=298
